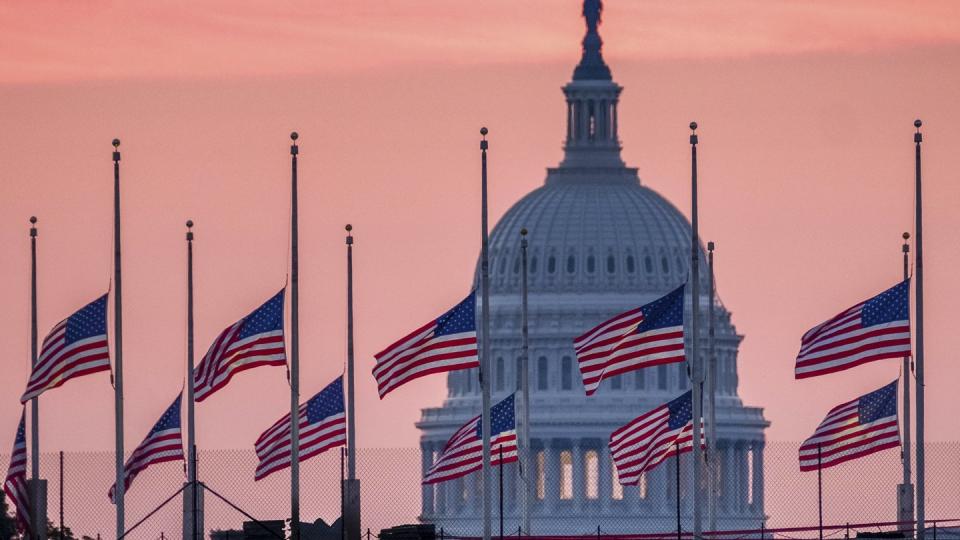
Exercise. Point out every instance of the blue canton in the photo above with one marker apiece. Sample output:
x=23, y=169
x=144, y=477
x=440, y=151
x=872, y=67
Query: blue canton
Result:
x=170, y=419
x=90, y=321
x=681, y=411
x=891, y=305
x=21, y=437
x=266, y=318
x=326, y=403
x=462, y=318
x=878, y=404
x=663, y=312
x=501, y=418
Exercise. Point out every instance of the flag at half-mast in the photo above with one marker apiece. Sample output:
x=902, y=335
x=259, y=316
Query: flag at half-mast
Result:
x=447, y=343
x=854, y=429
x=649, y=335
x=876, y=329
x=463, y=453
x=323, y=425
x=75, y=347
x=163, y=443
x=652, y=437
x=255, y=340
x=15, y=484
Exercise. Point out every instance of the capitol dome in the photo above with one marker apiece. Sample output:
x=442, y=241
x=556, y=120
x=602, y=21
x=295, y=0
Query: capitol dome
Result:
x=599, y=243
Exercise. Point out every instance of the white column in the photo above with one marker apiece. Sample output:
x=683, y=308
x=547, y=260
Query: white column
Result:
x=757, y=449
x=743, y=473
x=426, y=459
x=578, y=472
x=551, y=470
x=605, y=478
x=729, y=485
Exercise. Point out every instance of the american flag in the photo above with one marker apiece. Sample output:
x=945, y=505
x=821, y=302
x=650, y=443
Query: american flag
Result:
x=448, y=343
x=649, y=335
x=463, y=453
x=15, y=485
x=876, y=329
x=75, y=347
x=323, y=425
x=854, y=429
x=163, y=443
x=652, y=437
x=255, y=340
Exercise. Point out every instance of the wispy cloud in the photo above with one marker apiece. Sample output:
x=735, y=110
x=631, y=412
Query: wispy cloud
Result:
x=68, y=41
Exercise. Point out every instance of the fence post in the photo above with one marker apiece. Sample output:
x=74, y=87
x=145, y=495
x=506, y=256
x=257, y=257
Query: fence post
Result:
x=598, y=532
x=519, y=531
x=934, y=529
x=441, y=533
x=762, y=532
x=368, y=533
x=847, y=534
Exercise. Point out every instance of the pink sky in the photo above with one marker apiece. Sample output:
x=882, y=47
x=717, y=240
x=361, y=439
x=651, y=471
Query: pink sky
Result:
x=807, y=162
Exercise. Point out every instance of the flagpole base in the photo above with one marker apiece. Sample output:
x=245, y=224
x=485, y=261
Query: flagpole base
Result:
x=192, y=513
x=905, y=511
x=351, y=509
x=37, y=491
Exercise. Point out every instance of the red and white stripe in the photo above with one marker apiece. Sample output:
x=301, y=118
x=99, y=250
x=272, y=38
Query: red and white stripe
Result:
x=15, y=484
x=842, y=343
x=615, y=347
x=273, y=446
x=841, y=437
x=160, y=447
x=422, y=353
x=646, y=442
x=59, y=362
x=229, y=356
x=463, y=453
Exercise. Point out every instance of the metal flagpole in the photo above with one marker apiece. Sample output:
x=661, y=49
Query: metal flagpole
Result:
x=294, y=350
x=918, y=329
x=351, y=514
x=677, y=490
x=120, y=488
x=500, y=470
x=820, y=487
x=190, y=494
x=905, y=494
x=485, y=335
x=526, y=464
x=695, y=337
x=38, y=491
x=711, y=386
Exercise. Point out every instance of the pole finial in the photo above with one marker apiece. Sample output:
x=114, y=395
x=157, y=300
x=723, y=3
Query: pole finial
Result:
x=294, y=135
x=523, y=231
x=33, y=226
x=693, y=126
x=693, y=135
x=116, y=143
x=906, y=236
x=189, y=230
x=917, y=123
x=483, y=143
x=33, y=220
x=484, y=131
x=349, y=229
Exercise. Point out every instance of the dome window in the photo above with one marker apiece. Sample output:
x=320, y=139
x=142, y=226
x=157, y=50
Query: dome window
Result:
x=611, y=264
x=631, y=265
x=552, y=264
x=516, y=266
x=648, y=264
x=591, y=264
x=571, y=264
x=533, y=265
x=503, y=266
x=665, y=265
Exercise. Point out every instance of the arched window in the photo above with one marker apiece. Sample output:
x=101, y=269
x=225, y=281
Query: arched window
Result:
x=648, y=264
x=682, y=375
x=571, y=264
x=551, y=265
x=662, y=377
x=542, y=373
x=617, y=489
x=611, y=264
x=665, y=265
x=533, y=265
x=516, y=265
x=639, y=379
x=592, y=464
x=469, y=384
x=591, y=264
x=566, y=373
x=500, y=375
x=630, y=264
x=642, y=485
x=503, y=265
x=616, y=383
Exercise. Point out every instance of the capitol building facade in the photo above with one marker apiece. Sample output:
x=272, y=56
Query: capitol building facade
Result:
x=600, y=243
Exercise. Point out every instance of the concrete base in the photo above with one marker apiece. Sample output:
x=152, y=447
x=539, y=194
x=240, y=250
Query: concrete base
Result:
x=191, y=532
x=351, y=509
x=905, y=505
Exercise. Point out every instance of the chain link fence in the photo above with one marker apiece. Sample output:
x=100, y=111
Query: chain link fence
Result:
x=569, y=496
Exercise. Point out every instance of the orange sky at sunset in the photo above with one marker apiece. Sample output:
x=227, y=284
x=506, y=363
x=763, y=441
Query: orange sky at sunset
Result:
x=805, y=110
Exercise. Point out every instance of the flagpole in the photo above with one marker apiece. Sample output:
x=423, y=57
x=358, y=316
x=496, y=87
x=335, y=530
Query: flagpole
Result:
x=38, y=489
x=500, y=451
x=525, y=389
x=677, y=489
x=918, y=354
x=485, y=335
x=906, y=488
x=352, y=486
x=820, y=487
x=711, y=385
x=190, y=494
x=695, y=336
x=294, y=349
x=120, y=488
